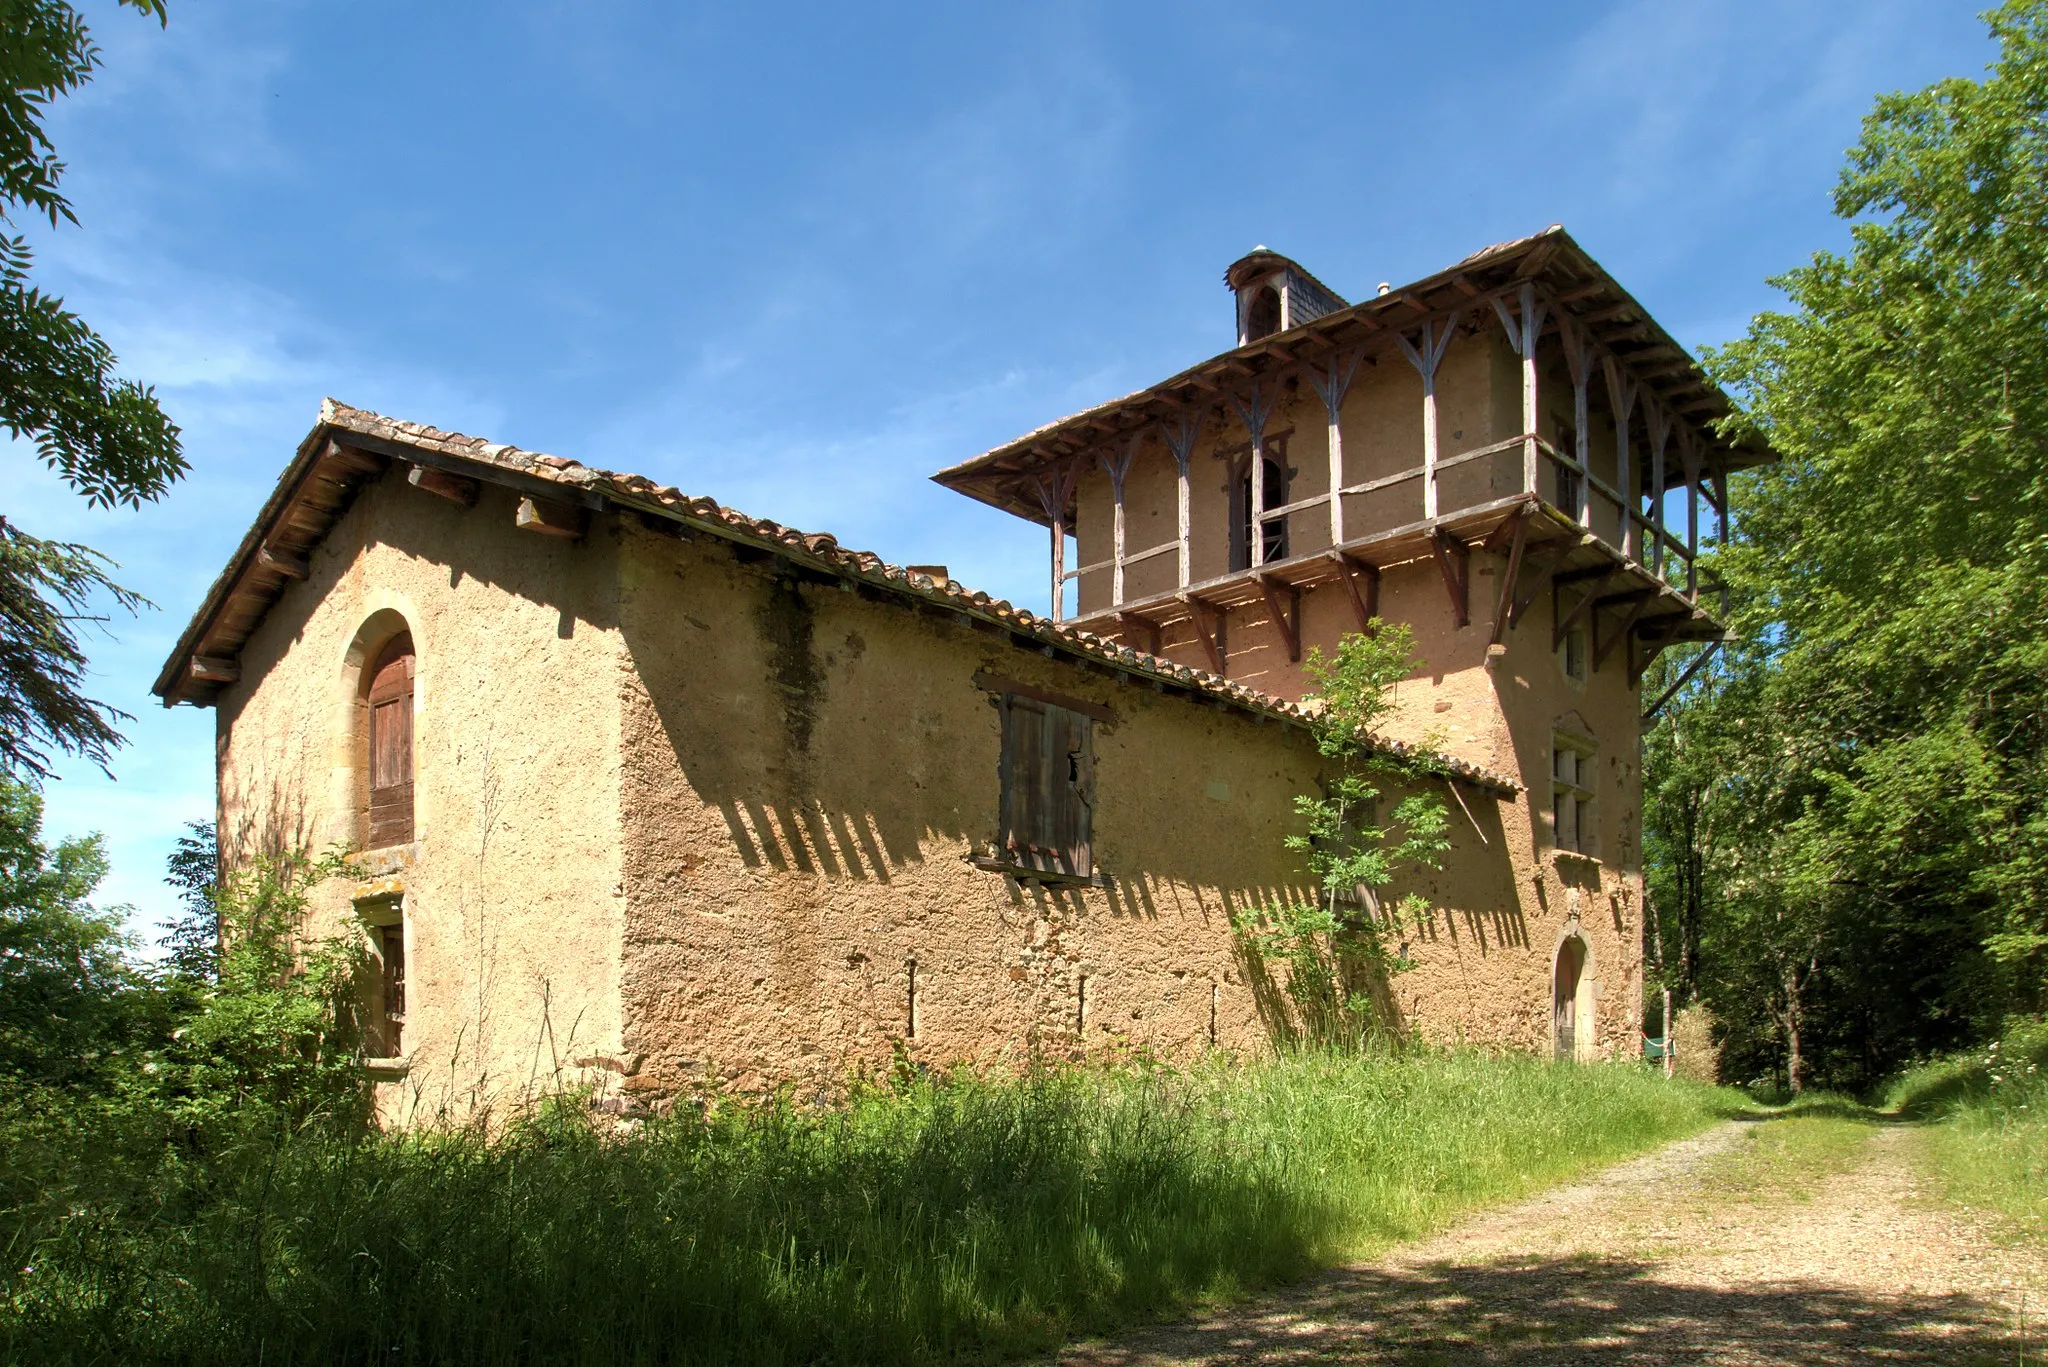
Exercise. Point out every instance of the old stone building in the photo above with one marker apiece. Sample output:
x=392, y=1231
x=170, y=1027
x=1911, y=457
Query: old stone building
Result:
x=653, y=795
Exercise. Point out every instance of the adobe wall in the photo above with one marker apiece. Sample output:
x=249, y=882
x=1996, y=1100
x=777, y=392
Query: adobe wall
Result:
x=511, y=886
x=808, y=773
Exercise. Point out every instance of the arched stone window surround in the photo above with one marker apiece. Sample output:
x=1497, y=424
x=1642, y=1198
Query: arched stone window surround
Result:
x=382, y=626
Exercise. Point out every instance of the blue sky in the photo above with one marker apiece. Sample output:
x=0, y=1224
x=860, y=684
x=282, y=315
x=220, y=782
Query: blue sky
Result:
x=798, y=257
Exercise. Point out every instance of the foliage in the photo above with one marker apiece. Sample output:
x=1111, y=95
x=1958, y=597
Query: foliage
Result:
x=1334, y=949
x=1852, y=807
x=931, y=1220
x=107, y=437
x=73, y=1009
x=192, y=944
x=1991, y=1148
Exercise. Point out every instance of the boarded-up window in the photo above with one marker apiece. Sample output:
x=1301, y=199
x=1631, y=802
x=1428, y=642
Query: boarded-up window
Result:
x=1572, y=773
x=391, y=984
x=391, y=745
x=1048, y=778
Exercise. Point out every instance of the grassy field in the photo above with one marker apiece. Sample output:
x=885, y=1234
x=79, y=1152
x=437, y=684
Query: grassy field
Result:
x=1991, y=1149
x=938, y=1220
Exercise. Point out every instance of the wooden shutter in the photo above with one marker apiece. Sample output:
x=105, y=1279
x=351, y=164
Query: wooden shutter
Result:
x=391, y=949
x=1048, y=783
x=391, y=745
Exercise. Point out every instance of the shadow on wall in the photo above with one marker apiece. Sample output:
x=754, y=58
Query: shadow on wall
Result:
x=826, y=756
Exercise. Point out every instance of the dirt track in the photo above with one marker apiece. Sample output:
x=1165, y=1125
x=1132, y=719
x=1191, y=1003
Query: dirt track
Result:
x=1700, y=1253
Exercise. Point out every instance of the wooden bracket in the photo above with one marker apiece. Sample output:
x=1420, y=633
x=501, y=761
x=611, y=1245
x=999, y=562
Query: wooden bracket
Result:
x=1567, y=620
x=352, y=459
x=1365, y=604
x=284, y=562
x=1454, y=560
x=1655, y=644
x=550, y=518
x=1208, y=624
x=1509, y=572
x=1286, y=616
x=455, y=488
x=216, y=669
x=1144, y=629
x=1637, y=601
x=1548, y=566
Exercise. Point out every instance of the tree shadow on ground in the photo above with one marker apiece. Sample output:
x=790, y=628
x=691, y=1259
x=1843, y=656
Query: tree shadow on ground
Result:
x=1599, y=1312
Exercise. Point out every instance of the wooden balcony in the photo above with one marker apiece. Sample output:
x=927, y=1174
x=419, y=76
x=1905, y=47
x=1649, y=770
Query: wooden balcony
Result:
x=1614, y=566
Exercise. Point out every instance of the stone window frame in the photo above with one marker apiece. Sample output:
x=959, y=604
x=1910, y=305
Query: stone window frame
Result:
x=1574, y=797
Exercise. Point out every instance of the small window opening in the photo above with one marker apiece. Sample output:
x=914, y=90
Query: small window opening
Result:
x=1276, y=527
x=1573, y=772
x=1048, y=787
x=390, y=1016
x=1564, y=1000
x=391, y=744
x=1262, y=313
x=1571, y=655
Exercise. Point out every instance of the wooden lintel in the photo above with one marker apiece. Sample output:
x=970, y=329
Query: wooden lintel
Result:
x=284, y=562
x=550, y=518
x=1510, y=572
x=1454, y=561
x=1286, y=614
x=1602, y=649
x=216, y=669
x=997, y=683
x=1144, y=628
x=1365, y=603
x=455, y=488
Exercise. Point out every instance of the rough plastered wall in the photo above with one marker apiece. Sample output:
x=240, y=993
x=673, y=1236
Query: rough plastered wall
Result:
x=809, y=772
x=510, y=888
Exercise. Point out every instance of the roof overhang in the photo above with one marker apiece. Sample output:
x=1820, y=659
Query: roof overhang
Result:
x=1573, y=282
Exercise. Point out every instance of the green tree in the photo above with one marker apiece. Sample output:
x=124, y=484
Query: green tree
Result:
x=107, y=437
x=1334, y=949
x=1862, y=787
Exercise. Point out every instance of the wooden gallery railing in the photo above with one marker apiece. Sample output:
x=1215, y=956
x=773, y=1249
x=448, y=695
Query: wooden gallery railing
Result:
x=1582, y=494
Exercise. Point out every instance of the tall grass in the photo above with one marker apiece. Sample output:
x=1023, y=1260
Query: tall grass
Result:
x=1991, y=1150
x=933, y=1220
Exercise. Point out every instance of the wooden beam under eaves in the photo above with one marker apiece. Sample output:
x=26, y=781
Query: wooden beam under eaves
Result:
x=1208, y=624
x=1504, y=600
x=283, y=561
x=550, y=518
x=1640, y=599
x=222, y=669
x=460, y=489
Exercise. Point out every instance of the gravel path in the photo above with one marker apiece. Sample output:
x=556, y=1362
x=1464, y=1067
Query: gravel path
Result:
x=1665, y=1259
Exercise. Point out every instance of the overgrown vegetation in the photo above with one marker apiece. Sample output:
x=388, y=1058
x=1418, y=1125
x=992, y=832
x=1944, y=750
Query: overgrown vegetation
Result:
x=1847, y=815
x=925, y=1220
x=1991, y=1149
x=1332, y=952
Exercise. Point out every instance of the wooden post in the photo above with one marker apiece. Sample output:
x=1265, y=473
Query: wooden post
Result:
x=1669, y=1062
x=1253, y=411
x=1689, y=453
x=1660, y=440
x=1522, y=335
x=1331, y=384
x=1117, y=464
x=1578, y=356
x=1054, y=491
x=1436, y=339
x=1722, y=519
x=1180, y=442
x=1621, y=393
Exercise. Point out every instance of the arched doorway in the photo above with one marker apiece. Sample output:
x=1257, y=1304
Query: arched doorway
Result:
x=1564, y=996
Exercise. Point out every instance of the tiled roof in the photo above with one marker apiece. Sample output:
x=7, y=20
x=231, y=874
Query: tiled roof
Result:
x=822, y=551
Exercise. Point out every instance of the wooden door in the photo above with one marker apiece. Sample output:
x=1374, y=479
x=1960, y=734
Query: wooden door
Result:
x=391, y=745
